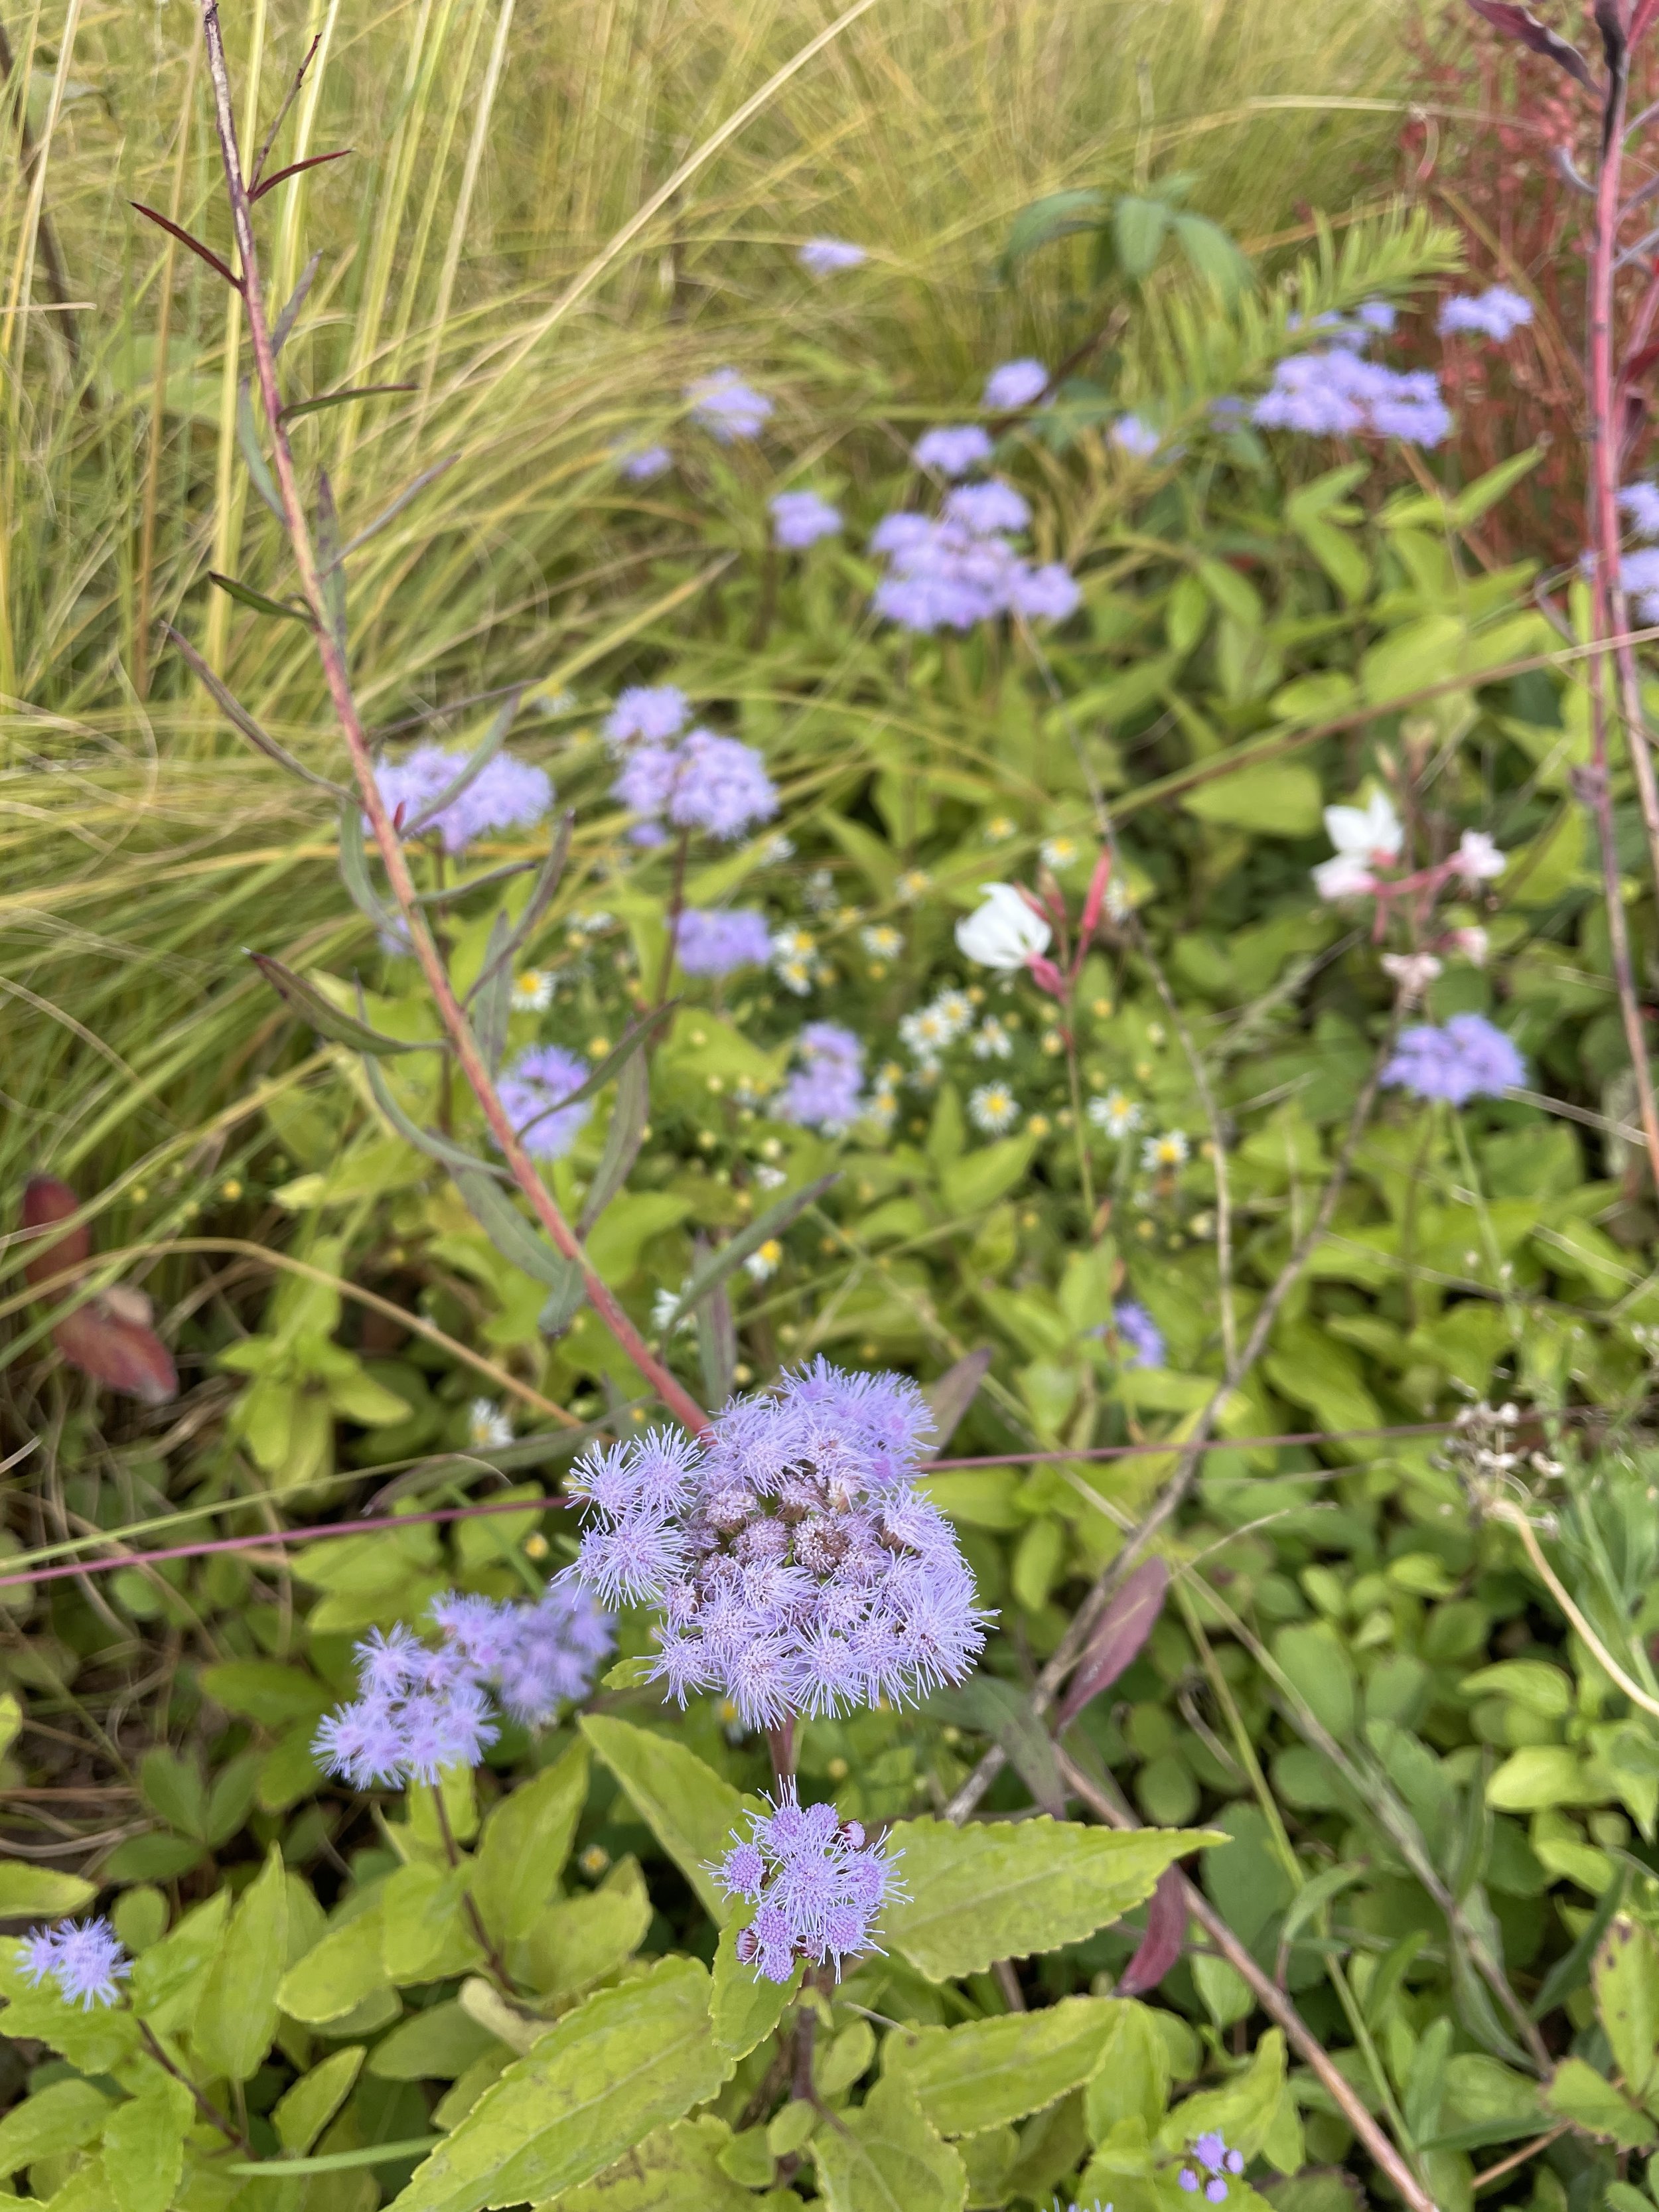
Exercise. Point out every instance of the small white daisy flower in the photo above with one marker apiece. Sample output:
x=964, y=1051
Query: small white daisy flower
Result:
x=763, y=1263
x=776, y=850
x=770, y=1178
x=1168, y=1152
x=993, y=1107
x=991, y=1041
x=882, y=941
x=1000, y=828
x=1060, y=854
x=911, y=885
x=956, y=1010
x=487, y=1426
x=533, y=992
x=1116, y=1114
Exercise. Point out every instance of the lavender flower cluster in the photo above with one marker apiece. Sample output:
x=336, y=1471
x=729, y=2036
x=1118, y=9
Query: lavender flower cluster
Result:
x=960, y=568
x=420, y=1709
x=716, y=941
x=1469, y=1058
x=85, y=1958
x=506, y=794
x=1497, y=313
x=824, y=1091
x=698, y=781
x=1139, y=1338
x=820, y=1886
x=533, y=1089
x=1211, y=2163
x=799, y=1567
x=1336, y=393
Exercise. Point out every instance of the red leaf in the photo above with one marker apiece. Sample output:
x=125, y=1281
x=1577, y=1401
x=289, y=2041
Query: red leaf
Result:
x=1164, y=1941
x=123, y=1355
x=203, y=253
x=293, y=170
x=45, y=1200
x=1516, y=23
x=1122, y=1629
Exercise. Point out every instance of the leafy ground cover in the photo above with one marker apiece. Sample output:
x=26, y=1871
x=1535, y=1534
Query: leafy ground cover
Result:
x=1252, y=1178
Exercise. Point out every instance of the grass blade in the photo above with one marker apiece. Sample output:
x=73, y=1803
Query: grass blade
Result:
x=731, y=1254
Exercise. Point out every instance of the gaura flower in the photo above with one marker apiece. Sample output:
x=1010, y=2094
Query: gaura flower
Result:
x=1366, y=837
x=1003, y=932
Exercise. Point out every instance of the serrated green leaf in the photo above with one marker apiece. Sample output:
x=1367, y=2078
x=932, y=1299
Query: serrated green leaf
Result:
x=337, y=1974
x=689, y=1809
x=300, y=2113
x=674, y=2168
x=1626, y=1979
x=59, y=2117
x=236, y=2017
x=990, y=1891
x=990, y=2071
x=885, y=2157
x=94, y=2041
x=144, y=2145
x=1057, y=215
x=524, y=1844
x=1577, y=2093
x=626, y=2062
x=583, y=1940
x=437, y=2045
x=1139, y=229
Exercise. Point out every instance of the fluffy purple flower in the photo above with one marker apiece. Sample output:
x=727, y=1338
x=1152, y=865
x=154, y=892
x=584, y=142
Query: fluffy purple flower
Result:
x=1469, y=1058
x=799, y=1567
x=800, y=518
x=726, y=407
x=1046, y=594
x=819, y=1886
x=823, y=1093
x=1137, y=1335
x=506, y=794
x=532, y=1089
x=653, y=712
x=553, y=1654
x=985, y=507
x=714, y=941
x=961, y=570
x=1132, y=436
x=823, y=257
x=1015, y=384
x=1496, y=313
x=1640, y=501
x=705, y=782
x=1211, y=2163
x=645, y=465
x=953, y=450
x=1338, y=394
x=83, y=1957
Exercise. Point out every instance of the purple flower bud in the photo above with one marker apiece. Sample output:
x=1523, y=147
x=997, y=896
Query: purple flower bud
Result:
x=954, y=450
x=800, y=518
x=1015, y=384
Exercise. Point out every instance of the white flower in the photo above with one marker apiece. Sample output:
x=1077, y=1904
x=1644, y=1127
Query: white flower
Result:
x=590, y=925
x=820, y=890
x=956, y=1010
x=924, y=1033
x=1116, y=1114
x=777, y=849
x=911, y=885
x=770, y=1178
x=1477, y=859
x=1004, y=931
x=1366, y=837
x=1168, y=1151
x=1472, y=944
x=1119, y=903
x=993, y=1107
x=533, y=992
x=1412, y=971
x=487, y=1426
x=882, y=941
x=663, y=1307
x=881, y=1106
x=1000, y=828
x=763, y=1263
x=795, y=975
x=1062, y=853
x=992, y=1041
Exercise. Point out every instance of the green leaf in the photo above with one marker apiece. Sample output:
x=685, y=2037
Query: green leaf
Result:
x=873, y=855
x=623, y=1140
x=425, y=1933
x=745, y=2006
x=525, y=1843
x=1577, y=2093
x=674, y=2167
x=990, y=1892
x=885, y=2157
x=59, y=2117
x=169, y=1977
x=1243, y=2112
x=989, y=2072
x=172, y=1786
x=688, y=1808
x=1626, y=1979
x=246, y=596
x=292, y=413
x=324, y=1016
x=337, y=1974
x=144, y=2145
x=264, y=1690
x=1132, y=2082
x=1140, y=228
x=1540, y=1774
x=1057, y=215
x=236, y=2017
x=455, y=1157
x=31, y=1893
x=584, y=1940
x=437, y=2045
x=979, y=1178
x=722, y=1262
x=1276, y=799
x=514, y=1237
x=248, y=439
x=623, y=2063
x=1212, y=254
x=300, y=2114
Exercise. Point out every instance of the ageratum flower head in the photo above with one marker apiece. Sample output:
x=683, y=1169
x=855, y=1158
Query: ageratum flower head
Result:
x=799, y=1567
x=1640, y=501
x=818, y=1882
x=800, y=518
x=823, y=1092
x=823, y=257
x=1340, y=394
x=1015, y=384
x=83, y=1957
x=647, y=464
x=1141, y=1340
x=1210, y=2162
x=726, y=407
x=654, y=712
x=506, y=794
x=703, y=782
x=1132, y=436
x=960, y=568
x=1497, y=313
x=1469, y=1058
x=717, y=940
x=533, y=1089
x=952, y=450
x=419, y=1710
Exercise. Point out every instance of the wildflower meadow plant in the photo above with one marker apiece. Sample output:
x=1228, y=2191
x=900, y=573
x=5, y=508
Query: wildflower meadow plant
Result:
x=800, y=519
x=823, y=1093
x=1468, y=1058
x=818, y=1885
x=534, y=1089
x=505, y=793
x=719, y=940
x=85, y=1958
x=703, y=782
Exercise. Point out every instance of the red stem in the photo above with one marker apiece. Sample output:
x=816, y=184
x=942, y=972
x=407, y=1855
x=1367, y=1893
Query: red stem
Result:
x=455, y=1026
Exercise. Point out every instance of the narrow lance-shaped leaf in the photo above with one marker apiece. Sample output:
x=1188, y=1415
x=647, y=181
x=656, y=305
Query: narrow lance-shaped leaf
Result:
x=486, y=751
x=295, y=169
x=623, y=1140
x=619, y=1055
x=408, y=492
x=541, y=898
x=248, y=439
x=508, y=1229
x=239, y=718
x=1119, y=1634
x=953, y=1393
x=1518, y=22
x=330, y=575
x=247, y=597
x=1165, y=1938
x=493, y=1002
x=325, y=1016
x=299, y=407
x=563, y=1302
x=354, y=870
x=450, y=892
x=731, y=1254
x=284, y=328
x=717, y=1343
x=202, y=252
x=452, y=1156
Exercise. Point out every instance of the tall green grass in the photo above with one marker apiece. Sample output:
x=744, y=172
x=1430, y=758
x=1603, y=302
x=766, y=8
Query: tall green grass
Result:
x=483, y=244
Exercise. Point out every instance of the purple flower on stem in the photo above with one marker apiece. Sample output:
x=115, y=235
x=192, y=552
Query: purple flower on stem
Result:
x=1139, y=1336
x=1046, y=594
x=714, y=942
x=727, y=407
x=823, y=1093
x=1340, y=394
x=800, y=518
x=1640, y=501
x=83, y=1957
x=645, y=465
x=1211, y=2163
x=961, y=569
x=1132, y=436
x=984, y=508
x=799, y=1567
x=654, y=712
x=953, y=450
x=1497, y=313
x=1015, y=384
x=820, y=1887
x=824, y=257
x=532, y=1089
x=506, y=794
x=1469, y=1058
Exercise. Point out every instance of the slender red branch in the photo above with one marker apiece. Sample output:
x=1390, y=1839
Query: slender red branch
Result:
x=456, y=1028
